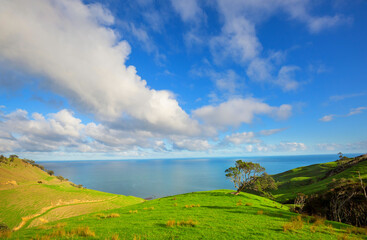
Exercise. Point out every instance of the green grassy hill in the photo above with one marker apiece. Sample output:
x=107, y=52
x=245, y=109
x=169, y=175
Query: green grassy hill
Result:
x=30, y=196
x=316, y=178
x=200, y=215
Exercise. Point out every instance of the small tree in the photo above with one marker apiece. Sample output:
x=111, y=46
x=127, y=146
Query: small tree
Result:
x=244, y=174
x=50, y=172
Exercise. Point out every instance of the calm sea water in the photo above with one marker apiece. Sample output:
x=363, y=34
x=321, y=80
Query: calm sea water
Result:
x=159, y=178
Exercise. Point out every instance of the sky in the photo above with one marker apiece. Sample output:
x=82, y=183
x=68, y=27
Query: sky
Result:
x=175, y=79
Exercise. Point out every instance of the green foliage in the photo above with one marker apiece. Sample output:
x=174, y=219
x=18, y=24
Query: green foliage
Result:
x=61, y=178
x=12, y=157
x=50, y=172
x=3, y=159
x=244, y=174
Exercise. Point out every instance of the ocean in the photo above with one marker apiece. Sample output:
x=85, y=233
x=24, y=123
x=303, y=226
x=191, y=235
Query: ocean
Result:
x=165, y=177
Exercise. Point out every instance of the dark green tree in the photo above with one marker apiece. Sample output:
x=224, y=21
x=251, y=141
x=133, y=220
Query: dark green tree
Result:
x=244, y=174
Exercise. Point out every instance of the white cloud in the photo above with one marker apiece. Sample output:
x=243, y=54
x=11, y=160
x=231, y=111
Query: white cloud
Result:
x=191, y=144
x=317, y=24
x=327, y=118
x=81, y=58
x=238, y=39
x=353, y=111
x=281, y=147
x=62, y=131
x=337, y=98
x=40, y=134
x=262, y=70
x=237, y=111
x=241, y=138
x=359, y=147
x=189, y=10
x=269, y=132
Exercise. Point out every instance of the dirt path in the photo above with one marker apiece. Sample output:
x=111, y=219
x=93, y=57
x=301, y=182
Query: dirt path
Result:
x=60, y=203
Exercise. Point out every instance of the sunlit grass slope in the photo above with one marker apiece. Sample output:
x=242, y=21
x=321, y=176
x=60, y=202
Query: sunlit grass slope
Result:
x=313, y=179
x=200, y=215
x=27, y=193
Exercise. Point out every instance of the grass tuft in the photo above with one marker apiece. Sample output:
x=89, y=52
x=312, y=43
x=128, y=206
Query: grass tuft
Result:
x=113, y=215
x=296, y=223
x=183, y=223
x=317, y=220
x=83, y=232
x=5, y=233
x=357, y=230
x=260, y=212
x=171, y=223
x=248, y=204
x=115, y=237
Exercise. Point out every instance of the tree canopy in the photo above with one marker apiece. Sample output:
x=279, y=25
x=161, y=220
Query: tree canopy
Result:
x=244, y=174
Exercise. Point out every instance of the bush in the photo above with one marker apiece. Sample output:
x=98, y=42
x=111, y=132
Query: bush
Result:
x=61, y=178
x=5, y=231
x=296, y=223
x=50, y=172
x=3, y=159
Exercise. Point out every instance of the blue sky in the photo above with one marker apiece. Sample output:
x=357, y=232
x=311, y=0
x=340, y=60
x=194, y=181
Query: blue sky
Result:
x=196, y=78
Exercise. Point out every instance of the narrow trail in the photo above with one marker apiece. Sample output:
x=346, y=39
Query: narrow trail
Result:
x=57, y=205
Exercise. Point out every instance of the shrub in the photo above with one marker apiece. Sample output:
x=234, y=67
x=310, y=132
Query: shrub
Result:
x=248, y=204
x=260, y=212
x=50, y=172
x=317, y=220
x=5, y=231
x=3, y=159
x=296, y=223
x=61, y=178
x=313, y=228
x=357, y=230
x=40, y=182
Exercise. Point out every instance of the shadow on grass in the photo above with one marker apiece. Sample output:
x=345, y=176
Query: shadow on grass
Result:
x=267, y=212
x=218, y=207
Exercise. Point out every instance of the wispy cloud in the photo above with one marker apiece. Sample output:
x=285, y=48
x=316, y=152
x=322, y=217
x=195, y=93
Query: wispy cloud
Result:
x=353, y=111
x=337, y=98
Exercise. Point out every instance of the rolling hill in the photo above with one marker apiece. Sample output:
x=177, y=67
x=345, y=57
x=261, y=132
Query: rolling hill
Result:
x=316, y=178
x=29, y=196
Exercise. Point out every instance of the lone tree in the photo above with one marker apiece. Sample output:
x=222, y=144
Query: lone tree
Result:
x=244, y=174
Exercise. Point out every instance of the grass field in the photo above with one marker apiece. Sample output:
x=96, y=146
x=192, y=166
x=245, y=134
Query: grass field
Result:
x=200, y=215
x=307, y=179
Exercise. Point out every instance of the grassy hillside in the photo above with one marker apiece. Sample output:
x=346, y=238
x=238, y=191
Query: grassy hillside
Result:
x=200, y=215
x=30, y=196
x=316, y=178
